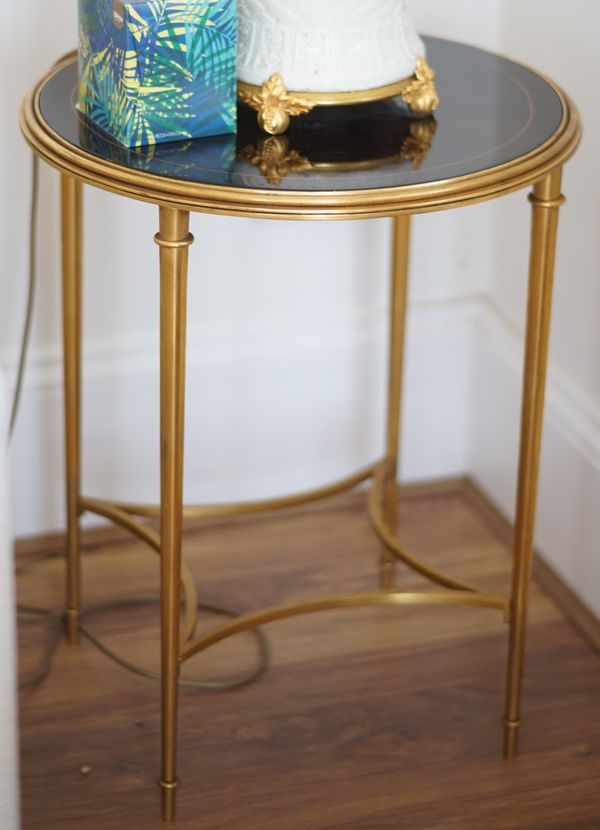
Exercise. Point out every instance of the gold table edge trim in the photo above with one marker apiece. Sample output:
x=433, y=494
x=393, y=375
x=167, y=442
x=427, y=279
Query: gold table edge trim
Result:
x=296, y=205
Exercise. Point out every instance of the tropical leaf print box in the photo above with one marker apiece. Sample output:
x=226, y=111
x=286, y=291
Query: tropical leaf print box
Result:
x=158, y=70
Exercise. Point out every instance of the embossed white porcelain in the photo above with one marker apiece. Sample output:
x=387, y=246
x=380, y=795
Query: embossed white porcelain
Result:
x=326, y=45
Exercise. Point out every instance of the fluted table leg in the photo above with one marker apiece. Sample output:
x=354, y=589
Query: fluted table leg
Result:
x=174, y=240
x=400, y=258
x=546, y=200
x=71, y=239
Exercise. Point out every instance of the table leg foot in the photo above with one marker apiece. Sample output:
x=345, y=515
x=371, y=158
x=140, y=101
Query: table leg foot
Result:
x=387, y=573
x=169, y=793
x=511, y=739
x=72, y=625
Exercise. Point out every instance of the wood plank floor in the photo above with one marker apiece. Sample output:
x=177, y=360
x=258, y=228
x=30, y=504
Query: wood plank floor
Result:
x=371, y=719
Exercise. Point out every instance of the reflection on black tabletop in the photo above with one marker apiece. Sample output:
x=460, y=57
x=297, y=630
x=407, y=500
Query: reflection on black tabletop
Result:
x=333, y=138
x=341, y=135
x=345, y=138
x=174, y=158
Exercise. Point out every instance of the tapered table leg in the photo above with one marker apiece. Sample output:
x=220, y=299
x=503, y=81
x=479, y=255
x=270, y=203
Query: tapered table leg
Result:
x=71, y=237
x=400, y=258
x=546, y=200
x=174, y=240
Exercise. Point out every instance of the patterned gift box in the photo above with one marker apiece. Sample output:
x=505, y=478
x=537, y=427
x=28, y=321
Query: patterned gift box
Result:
x=158, y=70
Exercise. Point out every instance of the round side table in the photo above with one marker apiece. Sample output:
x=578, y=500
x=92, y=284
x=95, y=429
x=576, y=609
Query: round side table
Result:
x=500, y=127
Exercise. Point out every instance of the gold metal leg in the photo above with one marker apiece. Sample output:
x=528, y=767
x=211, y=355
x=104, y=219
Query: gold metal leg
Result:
x=400, y=257
x=546, y=200
x=71, y=235
x=173, y=240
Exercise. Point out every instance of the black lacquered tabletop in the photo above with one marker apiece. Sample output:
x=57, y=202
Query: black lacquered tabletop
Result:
x=493, y=111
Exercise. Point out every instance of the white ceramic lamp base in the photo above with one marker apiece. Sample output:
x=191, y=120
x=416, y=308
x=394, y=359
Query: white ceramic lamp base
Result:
x=294, y=55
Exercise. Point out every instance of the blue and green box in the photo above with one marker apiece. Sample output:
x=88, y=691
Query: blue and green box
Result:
x=158, y=70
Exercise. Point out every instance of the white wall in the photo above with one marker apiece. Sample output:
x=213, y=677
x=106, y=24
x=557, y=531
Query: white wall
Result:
x=286, y=367
x=560, y=40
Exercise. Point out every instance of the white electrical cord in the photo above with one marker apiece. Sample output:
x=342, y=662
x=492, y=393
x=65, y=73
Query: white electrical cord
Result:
x=33, y=210
x=54, y=618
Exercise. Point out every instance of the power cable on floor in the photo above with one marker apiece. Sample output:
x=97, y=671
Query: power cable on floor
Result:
x=55, y=619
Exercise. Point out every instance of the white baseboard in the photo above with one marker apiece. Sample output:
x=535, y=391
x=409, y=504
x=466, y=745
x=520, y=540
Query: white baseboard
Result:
x=568, y=526
x=272, y=409
x=281, y=408
x=572, y=412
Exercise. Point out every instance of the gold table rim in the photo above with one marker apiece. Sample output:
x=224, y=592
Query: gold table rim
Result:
x=295, y=204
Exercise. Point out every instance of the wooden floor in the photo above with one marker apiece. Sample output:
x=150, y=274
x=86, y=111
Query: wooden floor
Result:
x=371, y=719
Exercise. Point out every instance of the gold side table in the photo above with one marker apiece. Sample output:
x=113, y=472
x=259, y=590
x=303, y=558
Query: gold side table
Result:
x=513, y=129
